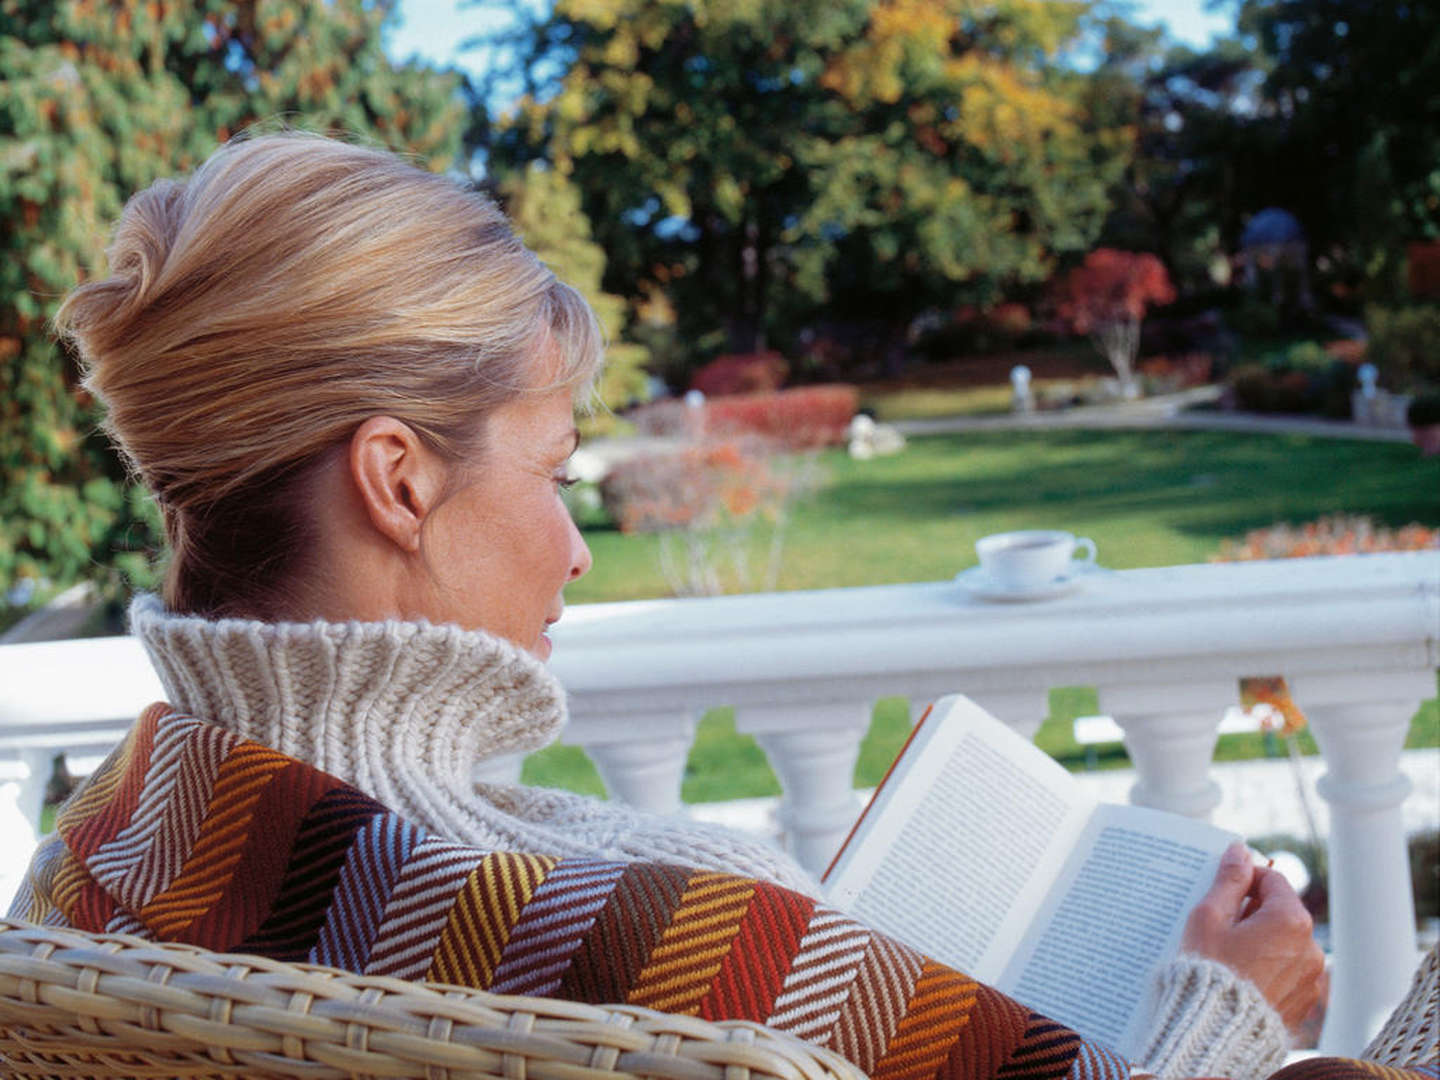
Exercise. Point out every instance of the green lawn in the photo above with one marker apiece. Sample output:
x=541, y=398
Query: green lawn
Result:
x=1148, y=498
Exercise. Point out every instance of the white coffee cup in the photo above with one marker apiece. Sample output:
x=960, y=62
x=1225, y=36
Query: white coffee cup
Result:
x=1031, y=558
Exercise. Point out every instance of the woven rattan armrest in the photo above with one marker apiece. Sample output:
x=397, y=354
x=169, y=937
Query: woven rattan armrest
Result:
x=74, y=1004
x=1412, y=1034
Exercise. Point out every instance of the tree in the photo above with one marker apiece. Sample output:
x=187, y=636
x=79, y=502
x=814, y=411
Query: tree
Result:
x=757, y=161
x=1350, y=93
x=1188, y=185
x=545, y=210
x=1107, y=297
x=96, y=102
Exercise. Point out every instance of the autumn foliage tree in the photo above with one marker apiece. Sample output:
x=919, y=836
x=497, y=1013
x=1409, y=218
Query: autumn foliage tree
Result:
x=1107, y=297
x=762, y=163
x=97, y=100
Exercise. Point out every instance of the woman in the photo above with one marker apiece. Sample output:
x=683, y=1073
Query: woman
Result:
x=350, y=389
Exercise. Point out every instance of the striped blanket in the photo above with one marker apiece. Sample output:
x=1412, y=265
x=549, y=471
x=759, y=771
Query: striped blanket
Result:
x=190, y=833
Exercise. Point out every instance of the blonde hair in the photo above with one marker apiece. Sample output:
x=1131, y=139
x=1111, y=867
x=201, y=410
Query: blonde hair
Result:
x=258, y=312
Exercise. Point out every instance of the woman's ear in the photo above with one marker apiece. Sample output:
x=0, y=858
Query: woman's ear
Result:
x=398, y=479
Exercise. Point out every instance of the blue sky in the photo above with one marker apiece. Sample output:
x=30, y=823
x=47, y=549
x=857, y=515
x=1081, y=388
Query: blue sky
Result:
x=434, y=29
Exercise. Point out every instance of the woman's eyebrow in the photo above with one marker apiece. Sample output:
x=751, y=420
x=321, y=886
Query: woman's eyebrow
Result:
x=573, y=435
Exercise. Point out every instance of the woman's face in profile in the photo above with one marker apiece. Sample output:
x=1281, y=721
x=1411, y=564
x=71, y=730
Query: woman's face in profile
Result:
x=504, y=546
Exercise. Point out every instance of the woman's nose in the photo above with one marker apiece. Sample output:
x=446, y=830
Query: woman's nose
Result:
x=580, y=558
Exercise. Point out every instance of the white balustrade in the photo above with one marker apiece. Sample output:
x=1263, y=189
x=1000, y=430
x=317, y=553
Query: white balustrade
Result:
x=1358, y=638
x=813, y=750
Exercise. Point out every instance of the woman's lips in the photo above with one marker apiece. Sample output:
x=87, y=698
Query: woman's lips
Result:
x=543, y=644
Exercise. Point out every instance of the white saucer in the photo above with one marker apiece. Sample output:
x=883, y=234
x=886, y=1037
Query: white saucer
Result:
x=982, y=586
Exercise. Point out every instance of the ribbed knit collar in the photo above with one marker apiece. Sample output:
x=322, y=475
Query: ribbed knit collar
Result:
x=402, y=711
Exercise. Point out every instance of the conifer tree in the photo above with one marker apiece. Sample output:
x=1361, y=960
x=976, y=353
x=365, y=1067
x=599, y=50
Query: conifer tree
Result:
x=98, y=98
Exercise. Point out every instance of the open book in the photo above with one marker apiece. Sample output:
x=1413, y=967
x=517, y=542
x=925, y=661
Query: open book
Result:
x=981, y=850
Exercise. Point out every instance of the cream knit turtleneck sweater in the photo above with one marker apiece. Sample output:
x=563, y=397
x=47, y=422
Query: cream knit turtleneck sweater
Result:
x=404, y=711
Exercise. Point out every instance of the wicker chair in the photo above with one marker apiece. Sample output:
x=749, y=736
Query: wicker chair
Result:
x=1412, y=1034
x=74, y=1004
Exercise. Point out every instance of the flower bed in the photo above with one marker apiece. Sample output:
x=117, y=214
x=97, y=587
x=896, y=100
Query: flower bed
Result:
x=1338, y=534
x=800, y=419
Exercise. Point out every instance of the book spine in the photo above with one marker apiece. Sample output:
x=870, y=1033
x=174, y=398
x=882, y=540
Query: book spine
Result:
x=825, y=877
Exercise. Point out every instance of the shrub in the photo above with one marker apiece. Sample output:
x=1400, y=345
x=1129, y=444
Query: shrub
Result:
x=1306, y=378
x=697, y=487
x=1167, y=374
x=1308, y=355
x=1405, y=344
x=1338, y=534
x=1010, y=319
x=668, y=418
x=708, y=503
x=1424, y=409
x=804, y=418
x=800, y=419
x=1258, y=388
x=1347, y=349
x=741, y=373
x=1255, y=319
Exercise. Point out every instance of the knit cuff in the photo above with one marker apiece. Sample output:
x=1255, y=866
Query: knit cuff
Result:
x=1208, y=1021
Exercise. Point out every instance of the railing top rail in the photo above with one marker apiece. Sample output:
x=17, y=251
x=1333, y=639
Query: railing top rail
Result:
x=1376, y=614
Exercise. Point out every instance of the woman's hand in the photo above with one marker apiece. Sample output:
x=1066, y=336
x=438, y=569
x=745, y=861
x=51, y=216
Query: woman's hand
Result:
x=1252, y=922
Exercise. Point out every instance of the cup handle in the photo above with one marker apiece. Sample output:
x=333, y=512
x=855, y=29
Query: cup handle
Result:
x=1088, y=545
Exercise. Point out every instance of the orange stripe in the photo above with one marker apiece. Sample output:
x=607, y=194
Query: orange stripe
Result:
x=680, y=969
x=939, y=1010
x=203, y=879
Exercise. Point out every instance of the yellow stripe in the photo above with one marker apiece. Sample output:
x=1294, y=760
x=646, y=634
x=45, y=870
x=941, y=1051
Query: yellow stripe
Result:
x=684, y=962
x=70, y=880
x=485, y=911
x=98, y=790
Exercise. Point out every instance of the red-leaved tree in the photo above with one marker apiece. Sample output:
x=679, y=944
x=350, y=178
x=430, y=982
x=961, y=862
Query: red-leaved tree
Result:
x=1106, y=297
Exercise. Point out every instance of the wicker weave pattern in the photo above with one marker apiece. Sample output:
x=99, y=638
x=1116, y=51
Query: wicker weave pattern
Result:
x=1412, y=1034
x=74, y=1004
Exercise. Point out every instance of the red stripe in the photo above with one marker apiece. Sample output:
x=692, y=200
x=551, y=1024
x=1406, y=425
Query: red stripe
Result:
x=86, y=837
x=989, y=1044
x=754, y=970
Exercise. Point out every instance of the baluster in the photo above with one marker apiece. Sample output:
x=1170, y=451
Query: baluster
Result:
x=40, y=765
x=1172, y=755
x=1372, y=909
x=813, y=750
x=642, y=759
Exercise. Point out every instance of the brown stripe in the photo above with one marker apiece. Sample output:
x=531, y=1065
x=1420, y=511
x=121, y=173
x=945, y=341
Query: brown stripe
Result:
x=872, y=1013
x=211, y=862
x=610, y=959
x=988, y=1046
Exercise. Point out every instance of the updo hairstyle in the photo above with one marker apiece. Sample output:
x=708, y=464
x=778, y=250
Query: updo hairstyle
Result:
x=257, y=313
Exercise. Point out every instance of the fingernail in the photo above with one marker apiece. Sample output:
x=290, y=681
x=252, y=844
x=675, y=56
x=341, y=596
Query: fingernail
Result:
x=1235, y=855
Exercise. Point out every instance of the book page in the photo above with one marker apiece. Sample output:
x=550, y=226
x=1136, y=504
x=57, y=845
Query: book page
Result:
x=963, y=842
x=1114, y=919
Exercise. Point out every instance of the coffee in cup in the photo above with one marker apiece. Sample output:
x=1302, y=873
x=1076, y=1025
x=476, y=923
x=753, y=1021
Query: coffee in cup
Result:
x=1032, y=558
